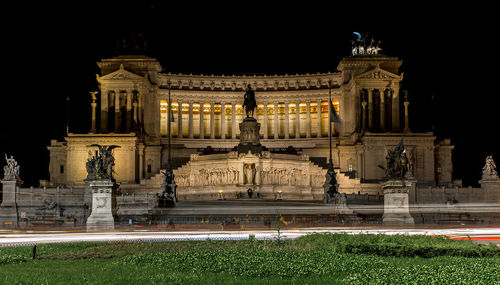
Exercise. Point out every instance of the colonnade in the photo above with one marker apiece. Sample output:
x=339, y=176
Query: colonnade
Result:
x=220, y=120
x=120, y=111
x=379, y=110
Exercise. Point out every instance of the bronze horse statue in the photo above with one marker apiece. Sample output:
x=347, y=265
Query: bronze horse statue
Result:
x=249, y=102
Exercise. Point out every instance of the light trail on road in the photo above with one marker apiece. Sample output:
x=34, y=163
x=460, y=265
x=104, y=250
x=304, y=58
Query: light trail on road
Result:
x=11, y=239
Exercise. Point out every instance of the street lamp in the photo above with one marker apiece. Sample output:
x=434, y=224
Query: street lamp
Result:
x=331, y=185
x=168, y=186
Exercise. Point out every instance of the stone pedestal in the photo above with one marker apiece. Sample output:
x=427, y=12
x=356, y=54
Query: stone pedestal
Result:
x=396, y=203
x=9, y=215
x=491, y=187
x=9, y=191
x=249, y=136
x=103, y=205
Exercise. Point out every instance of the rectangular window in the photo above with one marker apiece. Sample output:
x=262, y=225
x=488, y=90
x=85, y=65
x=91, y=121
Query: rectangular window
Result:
x=61, y=169
x=149, y=168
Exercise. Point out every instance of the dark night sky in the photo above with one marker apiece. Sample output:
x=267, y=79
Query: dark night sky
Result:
x=50, y=52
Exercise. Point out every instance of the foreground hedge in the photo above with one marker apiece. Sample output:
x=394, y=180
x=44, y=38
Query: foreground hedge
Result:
x=350, y=268
x=398, y=245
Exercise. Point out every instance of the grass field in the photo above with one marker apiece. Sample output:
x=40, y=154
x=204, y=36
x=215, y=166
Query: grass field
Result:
x=313, y=259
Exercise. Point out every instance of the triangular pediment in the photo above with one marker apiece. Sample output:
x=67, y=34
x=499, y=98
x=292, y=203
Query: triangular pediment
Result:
x=121, y=74
x=377, y=73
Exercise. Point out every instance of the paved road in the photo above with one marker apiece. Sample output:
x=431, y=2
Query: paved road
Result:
x=8, y=239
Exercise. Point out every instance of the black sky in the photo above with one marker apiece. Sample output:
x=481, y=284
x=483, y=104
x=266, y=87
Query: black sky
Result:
x=50, y=52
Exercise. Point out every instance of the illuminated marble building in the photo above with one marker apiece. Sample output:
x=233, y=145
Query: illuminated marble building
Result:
x=131, y=111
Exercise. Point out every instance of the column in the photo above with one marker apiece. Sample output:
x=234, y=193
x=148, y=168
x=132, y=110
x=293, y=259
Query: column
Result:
x=363, y=118
x=407, y=122
x=319, y=119
x=117, y=112
x=308, y=119
x=359, y=165
x=134, y=104
x=233, y=120
x=395, y=110
x=370, y=109
x=276, y=121
x=191, y=129
x=287, y=121
x=93, y=105
x=297, y=120
x=141, y=161
x=222, y=120
x=202, y=131
x=212, y=120
x=104, y=111
x=140, y=119
x=265, y=120
x=129, y=111
x=179, y=118
x=382, y=109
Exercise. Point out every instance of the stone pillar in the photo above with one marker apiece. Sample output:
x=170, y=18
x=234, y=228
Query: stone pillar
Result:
x=265, y=121
x=364, y=115
x=308, y=119
x=395, y=110
x=179, y=119
x=407, y=122
x=359, y=165
x=191, y=129
x=140, y=122
x=128, y=123
x=382, y=110
x=297, y=120
x=117, y=112
x=287, y=121
x=141, y=160
x=370, y=109
x=233, y=120
x=319, y=119
x=212, y=120
x=104, y=111
x=202, y=132
x=396, y=203
x=276, y=121
x=93, y=105
x=223, y=120
x=103, y=205
x=135, y=116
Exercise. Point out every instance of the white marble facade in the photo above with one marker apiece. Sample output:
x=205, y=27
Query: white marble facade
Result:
x=292, y=110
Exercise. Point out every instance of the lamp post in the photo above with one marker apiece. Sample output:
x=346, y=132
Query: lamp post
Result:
x=168, y=186
x=330, y=186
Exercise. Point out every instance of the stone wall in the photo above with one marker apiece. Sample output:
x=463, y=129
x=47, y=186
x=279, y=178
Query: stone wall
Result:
x=51, y=206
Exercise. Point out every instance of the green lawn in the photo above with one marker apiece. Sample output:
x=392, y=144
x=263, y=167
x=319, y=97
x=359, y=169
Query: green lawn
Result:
x=314, y=259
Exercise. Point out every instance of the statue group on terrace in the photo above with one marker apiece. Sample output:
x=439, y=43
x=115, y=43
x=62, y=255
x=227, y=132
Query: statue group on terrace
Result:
x=11, y=170
x=100, y=167
x=397, y=162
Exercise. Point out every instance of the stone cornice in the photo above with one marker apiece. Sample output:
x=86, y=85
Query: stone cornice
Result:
x=101, y=138
x=393, y=137
x=259, y=83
